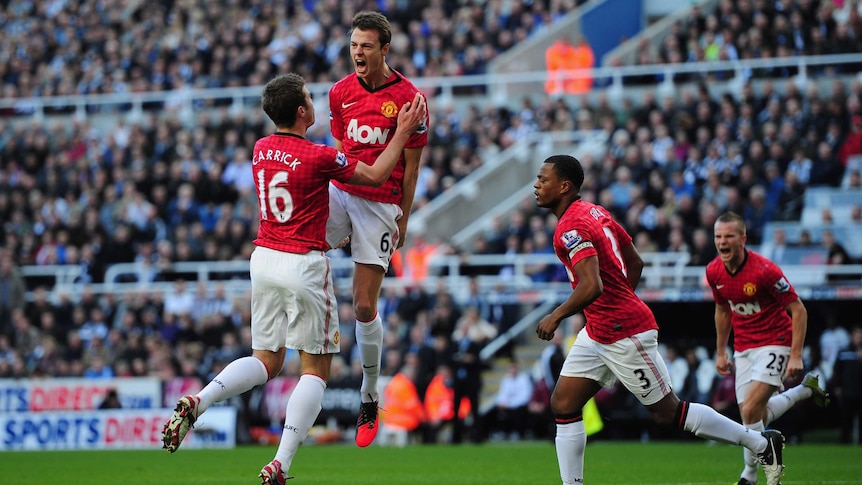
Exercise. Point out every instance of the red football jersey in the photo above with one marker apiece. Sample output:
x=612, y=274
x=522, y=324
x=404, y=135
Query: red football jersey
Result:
x=756, y=295
x=292, y=177
x=587, y=230
x=364, y=120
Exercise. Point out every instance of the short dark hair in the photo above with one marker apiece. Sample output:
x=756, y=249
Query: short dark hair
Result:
x=568, y=168
x=282, y=97
x=731, y=216
x=368, y=20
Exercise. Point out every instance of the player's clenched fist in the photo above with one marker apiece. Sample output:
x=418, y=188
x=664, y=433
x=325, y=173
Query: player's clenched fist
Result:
x=413, y=114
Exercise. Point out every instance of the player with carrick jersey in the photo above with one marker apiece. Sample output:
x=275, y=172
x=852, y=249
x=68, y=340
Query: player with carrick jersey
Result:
x=292, y=301
x=755, y=300
x=362, y=120
x=620, y=338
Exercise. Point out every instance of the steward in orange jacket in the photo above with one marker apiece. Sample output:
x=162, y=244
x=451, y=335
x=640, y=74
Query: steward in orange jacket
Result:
x=440, y=399
x=403, y=407
x=563, y=56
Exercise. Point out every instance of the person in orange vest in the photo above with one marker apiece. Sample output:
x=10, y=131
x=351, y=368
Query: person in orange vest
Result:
x=568, y=55
x=404, y=410
x=417, y=258
x=440, y=403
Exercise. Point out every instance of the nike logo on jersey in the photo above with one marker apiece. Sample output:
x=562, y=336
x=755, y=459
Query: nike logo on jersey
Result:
x=646, y=393
x=718, y=287
x=347, y=105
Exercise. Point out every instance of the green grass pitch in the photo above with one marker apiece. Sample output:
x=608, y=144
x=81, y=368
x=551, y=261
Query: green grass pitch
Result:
x=692, y=463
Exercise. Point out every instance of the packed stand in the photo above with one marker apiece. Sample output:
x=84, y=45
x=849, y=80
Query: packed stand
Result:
x=158, y=193
x=74, y=195
x=758, y=29
x=93, y=47
x=674, y=164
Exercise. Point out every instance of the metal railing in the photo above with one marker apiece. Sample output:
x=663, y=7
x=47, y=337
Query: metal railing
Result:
x=455, y=271
x=665, y=275
x=499, y=87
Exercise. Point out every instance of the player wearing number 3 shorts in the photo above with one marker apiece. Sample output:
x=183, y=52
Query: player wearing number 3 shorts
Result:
x=292, y=300
x=755, y=300
x=620, y=338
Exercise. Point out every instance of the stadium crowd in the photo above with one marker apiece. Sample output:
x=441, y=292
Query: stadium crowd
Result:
x=158, y=193
x=758, y=29
x=92, y=47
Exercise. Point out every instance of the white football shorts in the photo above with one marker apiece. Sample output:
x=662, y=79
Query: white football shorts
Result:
x=293, y=302
x=635, y=361
x=765, y=364
x=372, y=226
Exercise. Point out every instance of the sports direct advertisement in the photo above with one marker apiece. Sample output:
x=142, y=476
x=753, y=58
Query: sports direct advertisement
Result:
x=18, y=395
x=51, y=414
x=111, y=429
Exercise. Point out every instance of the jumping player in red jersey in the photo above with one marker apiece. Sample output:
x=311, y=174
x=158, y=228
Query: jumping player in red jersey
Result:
x=292, y=301
x=620, y=339
x=362, y=120
x=769, y=322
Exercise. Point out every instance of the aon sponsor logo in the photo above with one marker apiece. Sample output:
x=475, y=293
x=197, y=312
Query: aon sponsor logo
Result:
x=745, y=308
x=365, y=133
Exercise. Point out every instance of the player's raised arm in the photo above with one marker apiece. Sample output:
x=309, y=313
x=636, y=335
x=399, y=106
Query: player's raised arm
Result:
x=410, y=116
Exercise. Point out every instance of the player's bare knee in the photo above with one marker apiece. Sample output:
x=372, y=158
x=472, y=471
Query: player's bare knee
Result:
x=273, y=366
x=365, y=310
x=563, y=405
x=272, y=361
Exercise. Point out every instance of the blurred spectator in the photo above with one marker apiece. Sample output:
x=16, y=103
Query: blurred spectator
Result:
x=791, y=199
x=852, y=144
x=551, y=361
x=856, y=214
x=98, y=369
x=564, y=55
x=833, y=339
x=12, y=290
x=774, y=250
x=805, y=239
x=111, y=400
x=724, y=396
x=404, y=409
x=757, y=213
x=439, y=405
x=470, y=335
x=847, y=383
x=702, y=248
x=678, y=368
x=95, y=327
x=837, y=254
x=180, y=301
x=701, y=374
x=510, y=415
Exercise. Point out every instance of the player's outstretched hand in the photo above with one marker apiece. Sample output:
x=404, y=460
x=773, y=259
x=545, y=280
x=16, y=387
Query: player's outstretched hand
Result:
x=413, y=114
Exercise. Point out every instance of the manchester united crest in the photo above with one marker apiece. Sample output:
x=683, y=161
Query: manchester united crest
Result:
x=749, y=289
x=336, y=337
x=389, y=109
